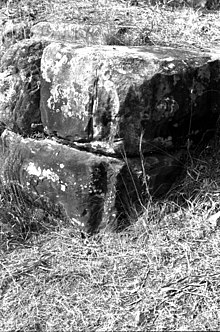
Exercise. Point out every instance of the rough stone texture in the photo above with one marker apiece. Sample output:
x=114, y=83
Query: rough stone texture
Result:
x=199, y=4
x=209, y=4
x=87, y=33
x=94, y=191
x=121, y=119
x=20, y=85
x=68, y=32
x=78, y=103
x=166, y=96
x=13, y=32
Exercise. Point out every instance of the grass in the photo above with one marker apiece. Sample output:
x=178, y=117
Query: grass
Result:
x=163, y=273
x=121, y=23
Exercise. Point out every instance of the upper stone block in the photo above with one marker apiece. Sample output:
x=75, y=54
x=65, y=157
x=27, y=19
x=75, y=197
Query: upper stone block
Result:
x=148, y=97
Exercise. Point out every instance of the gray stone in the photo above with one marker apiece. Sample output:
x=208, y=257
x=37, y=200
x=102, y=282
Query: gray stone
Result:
x=161, y=98
x=120, y=121
x=20, y=85
x=14, y=32
x=96, y=192
x=69, y=32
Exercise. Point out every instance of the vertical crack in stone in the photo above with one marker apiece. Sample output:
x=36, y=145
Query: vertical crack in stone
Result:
x=92, y=108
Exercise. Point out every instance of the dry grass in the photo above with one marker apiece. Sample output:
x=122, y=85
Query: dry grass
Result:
x=161, y=274
x=124, y=24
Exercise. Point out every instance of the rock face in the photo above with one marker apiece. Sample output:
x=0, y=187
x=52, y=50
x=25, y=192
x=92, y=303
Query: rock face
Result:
x=67, y=32
x=117, y=124
x=92, y=190
x=109, y=93
x=199, y=4
x=14, y=32
x=20, y=81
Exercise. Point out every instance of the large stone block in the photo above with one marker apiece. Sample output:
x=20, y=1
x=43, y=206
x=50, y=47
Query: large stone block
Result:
x=160, y=98
x=94, y=191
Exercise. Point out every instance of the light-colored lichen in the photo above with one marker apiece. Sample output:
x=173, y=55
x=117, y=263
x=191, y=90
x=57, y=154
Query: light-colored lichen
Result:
x=41, y=173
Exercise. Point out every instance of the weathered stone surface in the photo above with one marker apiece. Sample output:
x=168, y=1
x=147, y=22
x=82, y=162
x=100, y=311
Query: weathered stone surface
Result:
x=85, y=33
x=69, y=32
x=20, y=85
x=94, y=191
x=199, y=4
x=209, y=4
x=13, y=32
x=161, y=99
x=79, y=103
x=121, y=117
